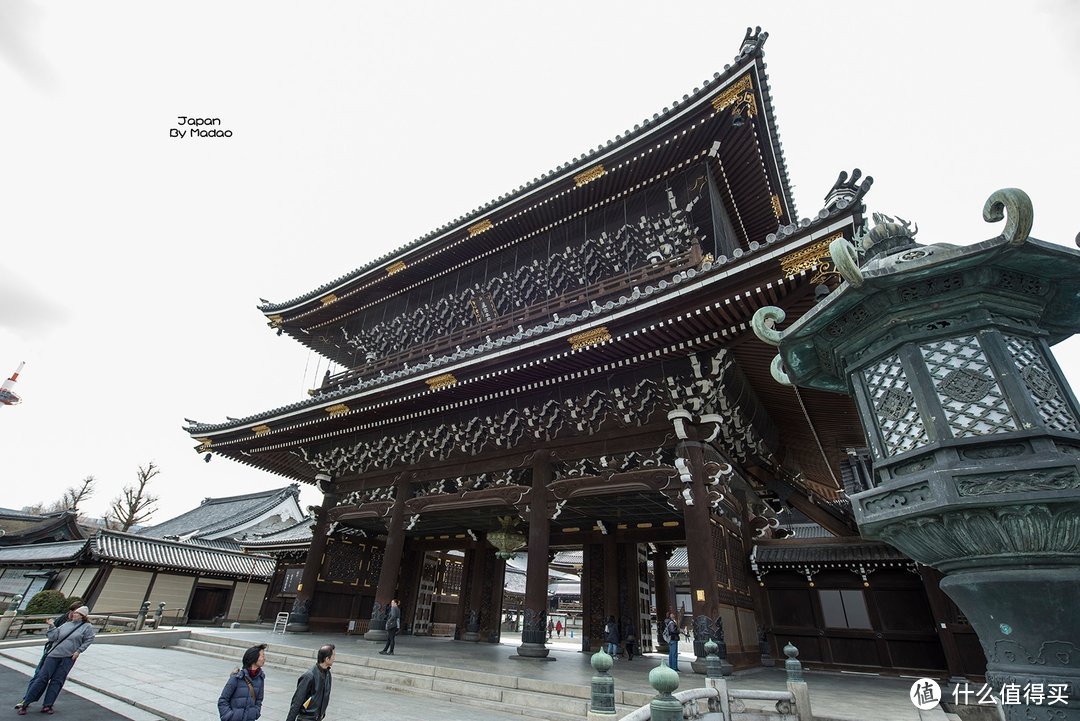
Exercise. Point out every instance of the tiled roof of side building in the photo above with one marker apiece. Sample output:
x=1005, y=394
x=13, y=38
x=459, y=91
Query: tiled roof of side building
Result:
x=296, y=533
x=62, y=552
x=132, y=550
x=750, y=50
x=789, y=552
x=217, y=514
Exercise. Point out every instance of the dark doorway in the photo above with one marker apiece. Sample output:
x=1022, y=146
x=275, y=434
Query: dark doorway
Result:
x=208, y=603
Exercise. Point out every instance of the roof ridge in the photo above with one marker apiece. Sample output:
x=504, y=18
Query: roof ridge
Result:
x=751, y=49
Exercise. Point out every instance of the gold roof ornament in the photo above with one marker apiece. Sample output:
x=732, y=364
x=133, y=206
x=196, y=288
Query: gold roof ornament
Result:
x=816, y=256
x=590, y=337
x=588, y=176
x=395, y=267
x=478, y=228
x=441, y=381
x=337, y=409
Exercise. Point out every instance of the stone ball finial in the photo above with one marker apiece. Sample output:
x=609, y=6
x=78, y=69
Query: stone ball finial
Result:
x=711, y=648
x=601, y=662
x=663, y=679
x=790, y=651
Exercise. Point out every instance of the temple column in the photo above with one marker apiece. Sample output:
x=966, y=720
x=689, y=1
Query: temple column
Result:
x=301, y=609
x=391, y=564
x=476, y=596
x=534, y=631
x=611, y=582
x=704, y=596
x=662, y=585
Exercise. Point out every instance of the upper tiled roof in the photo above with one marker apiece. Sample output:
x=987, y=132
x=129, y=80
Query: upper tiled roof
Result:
x=63, y=552
x=219, y=514
x=750, y=50
x=133, y=550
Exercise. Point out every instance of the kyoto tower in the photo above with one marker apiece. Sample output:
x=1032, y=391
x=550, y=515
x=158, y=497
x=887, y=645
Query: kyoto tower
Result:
x=8, y=396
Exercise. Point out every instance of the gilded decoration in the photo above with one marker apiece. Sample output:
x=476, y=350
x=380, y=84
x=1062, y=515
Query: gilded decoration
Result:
x=204, y=444
x=590, y=337
x=328, y=299
x=395, y=267
x=777, y=209
x=480, y=227
x=588, y=176
x=261, y=430
x=337, y=409
x=812, y=256
x=741, y=92
x=441, y=381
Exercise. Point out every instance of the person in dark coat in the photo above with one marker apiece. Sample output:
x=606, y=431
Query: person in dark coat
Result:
x=611, y=635
x=629, y=639
x=69, y=640
x=393, y=624
x=242, y=697
x=312, y=694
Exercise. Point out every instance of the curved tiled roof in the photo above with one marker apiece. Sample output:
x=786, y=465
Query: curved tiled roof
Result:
x=63, y=552
x=802, y=552
x=787, y=233
x=297, y=533
x=133, y=550
x=751, y=48
x=219, y=514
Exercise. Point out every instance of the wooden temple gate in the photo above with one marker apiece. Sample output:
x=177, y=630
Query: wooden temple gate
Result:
x=577, y=356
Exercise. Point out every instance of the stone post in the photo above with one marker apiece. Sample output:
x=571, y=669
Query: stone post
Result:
x=721, y=648
x=140, y=619
x=665, y=707
x=534, y=631
x=301, y=608
x=712, y=661
x=602, y=703
x=9, y=615
x=973, y=428
x=795, y=683
x=158, y=613
x=391, y=564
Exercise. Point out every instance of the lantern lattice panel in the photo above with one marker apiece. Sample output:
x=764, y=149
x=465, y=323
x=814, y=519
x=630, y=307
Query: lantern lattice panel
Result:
x=970, y=395
x=1041, y=384
x=898, y=417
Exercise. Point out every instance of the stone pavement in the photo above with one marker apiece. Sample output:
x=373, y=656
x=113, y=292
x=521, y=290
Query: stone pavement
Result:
x=174, y=684
x=74, y=702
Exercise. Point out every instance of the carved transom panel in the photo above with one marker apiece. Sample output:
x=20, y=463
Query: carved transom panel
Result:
x=970, y=396
x=899, y=423
x=1045, y=391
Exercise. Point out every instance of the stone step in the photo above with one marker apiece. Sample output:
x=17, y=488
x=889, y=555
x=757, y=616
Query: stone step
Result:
x=510, y=694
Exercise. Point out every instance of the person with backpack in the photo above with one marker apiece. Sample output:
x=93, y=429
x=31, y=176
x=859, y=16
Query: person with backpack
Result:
x=671, y=638
x=69, y=640
x=312, y=694
x=242, y=697
x=611, y=635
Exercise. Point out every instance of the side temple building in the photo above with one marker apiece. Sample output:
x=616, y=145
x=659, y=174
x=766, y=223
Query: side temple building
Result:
x=572, y=366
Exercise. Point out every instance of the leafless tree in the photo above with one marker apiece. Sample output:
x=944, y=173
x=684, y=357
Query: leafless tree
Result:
x=75, y=495
x=134, y=504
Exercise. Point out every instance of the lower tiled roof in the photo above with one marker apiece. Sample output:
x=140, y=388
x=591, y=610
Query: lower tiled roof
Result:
x=133, y=550
x=801, y=552
x=63, y=552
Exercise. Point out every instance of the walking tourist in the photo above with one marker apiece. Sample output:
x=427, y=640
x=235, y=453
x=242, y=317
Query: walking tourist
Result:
x=671, y=638
x=313, y=688
x=550, y=628
x=242, y=697
x=558, y=628
x=393, y=623
x=611, y=635
x=58, y=621
x=68, y=641
x=629, y=639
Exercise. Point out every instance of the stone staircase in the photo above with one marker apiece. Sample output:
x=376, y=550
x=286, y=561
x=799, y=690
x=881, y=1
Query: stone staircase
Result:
x=512, y=695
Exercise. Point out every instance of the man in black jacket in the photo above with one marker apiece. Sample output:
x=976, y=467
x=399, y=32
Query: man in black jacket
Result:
x=393, y=624
x=313, y=689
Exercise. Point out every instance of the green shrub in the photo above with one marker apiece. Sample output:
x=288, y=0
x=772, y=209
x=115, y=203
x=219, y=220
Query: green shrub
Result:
x=47, y=602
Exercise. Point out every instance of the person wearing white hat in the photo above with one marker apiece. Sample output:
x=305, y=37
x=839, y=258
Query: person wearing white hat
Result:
x=68, y=641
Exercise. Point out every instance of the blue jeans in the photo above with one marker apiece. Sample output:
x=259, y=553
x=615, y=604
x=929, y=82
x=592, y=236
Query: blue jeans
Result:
x=673, y=654
x=613, y=649
x=49, y=679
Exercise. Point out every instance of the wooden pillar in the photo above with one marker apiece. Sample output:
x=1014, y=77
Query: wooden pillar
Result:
x=662, y=586
x=534, y=631
x=391, y=564
x=494, y=578
x=468, y=568
x=475, y=599
x=611, y=581
x=305, y=594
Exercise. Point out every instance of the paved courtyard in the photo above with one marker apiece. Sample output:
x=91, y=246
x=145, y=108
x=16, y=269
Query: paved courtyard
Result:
x=154, y=683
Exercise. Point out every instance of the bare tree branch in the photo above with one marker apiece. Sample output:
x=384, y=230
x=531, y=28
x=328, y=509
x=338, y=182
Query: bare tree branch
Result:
x=75, y=495
x=134, y=504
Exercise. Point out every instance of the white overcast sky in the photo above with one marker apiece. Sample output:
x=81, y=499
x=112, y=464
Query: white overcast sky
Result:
x=131, y=263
